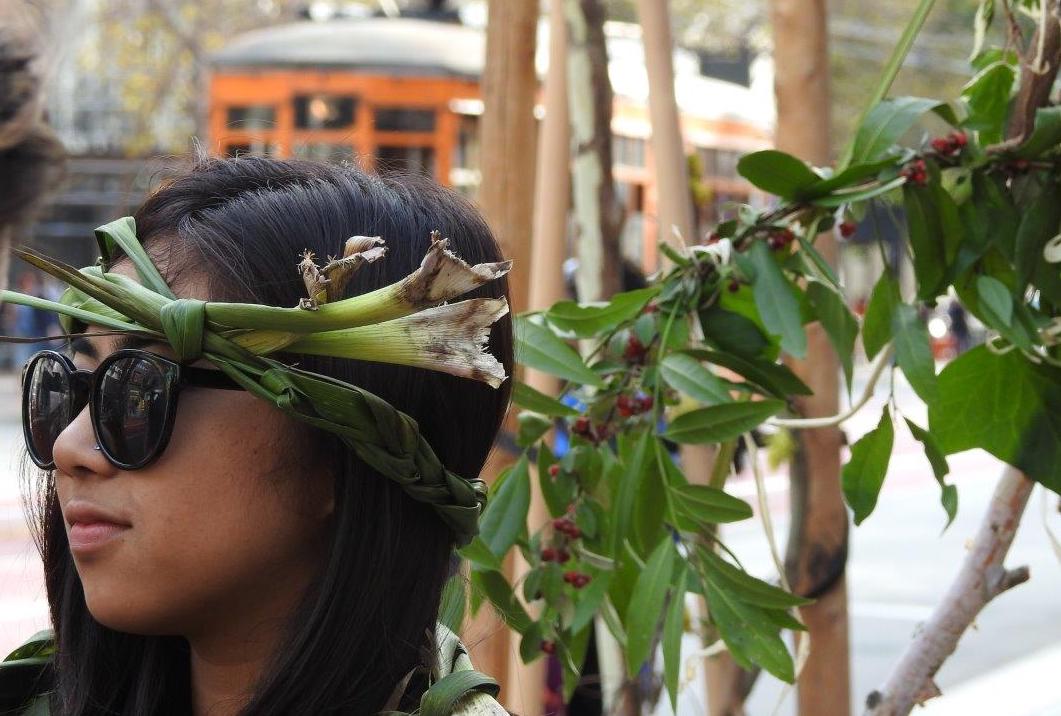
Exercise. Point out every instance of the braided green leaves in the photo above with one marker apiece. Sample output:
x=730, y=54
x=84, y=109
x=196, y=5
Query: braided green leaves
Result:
x=400, y=324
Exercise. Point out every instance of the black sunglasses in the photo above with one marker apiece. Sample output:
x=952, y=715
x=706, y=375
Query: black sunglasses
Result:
x=132, y=400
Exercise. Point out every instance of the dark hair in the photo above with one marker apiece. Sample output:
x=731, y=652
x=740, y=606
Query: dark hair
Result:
x=371, y=616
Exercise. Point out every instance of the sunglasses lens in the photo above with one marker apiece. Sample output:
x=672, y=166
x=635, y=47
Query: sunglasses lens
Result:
x=132, y=409
x=48, y=405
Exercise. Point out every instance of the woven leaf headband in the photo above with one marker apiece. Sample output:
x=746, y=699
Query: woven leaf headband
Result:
x=406, y=323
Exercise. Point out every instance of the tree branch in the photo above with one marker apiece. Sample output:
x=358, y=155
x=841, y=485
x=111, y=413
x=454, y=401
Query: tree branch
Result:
x=982, y=577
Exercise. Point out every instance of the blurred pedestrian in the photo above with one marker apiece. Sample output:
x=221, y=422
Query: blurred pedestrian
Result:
x=28, y=322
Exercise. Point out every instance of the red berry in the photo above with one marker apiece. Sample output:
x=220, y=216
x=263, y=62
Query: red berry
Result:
x=848, y=228
x=548, y=554
x=734, y=286
x=646, y=403
x=548, y=647
x=562, y=556
x=581, y=427
x=581, y=580
x=959, y=139
x=554, y=470
x=635, y=350
x=942, y=145
x=651, y=307
x=624, y=405
x=573, y=531
x=571, y=577
x=713, y=238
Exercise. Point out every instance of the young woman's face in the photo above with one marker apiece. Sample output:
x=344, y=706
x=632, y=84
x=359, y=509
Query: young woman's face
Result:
x=227, y=527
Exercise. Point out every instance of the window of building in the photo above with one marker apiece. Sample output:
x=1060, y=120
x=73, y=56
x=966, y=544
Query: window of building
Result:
x=719, y=163
x=402, y=119
x=406, y=159
x=320, y=111
x=628, y=151
x=258, y=149
x=325, y=152
x=262, y=116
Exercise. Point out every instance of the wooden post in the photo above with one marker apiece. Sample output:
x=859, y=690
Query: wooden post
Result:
x=598, y=216
x=506, y=196
x=672, y=175
x=817, y=548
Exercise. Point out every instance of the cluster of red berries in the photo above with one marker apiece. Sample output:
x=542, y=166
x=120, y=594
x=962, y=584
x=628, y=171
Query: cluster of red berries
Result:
x=915, y=172
x=951, y=144
x=559, y=556
x=548, y=647
x=584, y=429
x=635, y=350
x=779, y=239
x=577, y=579
x=847, y=228
x=567, y=527
x=628, y=405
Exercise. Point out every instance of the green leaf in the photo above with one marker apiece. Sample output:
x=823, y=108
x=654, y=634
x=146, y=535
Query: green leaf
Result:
x=733, y=332
x=592, y=319
x=708, y=505
x=935, y=230
x=750, y=589
x=987, y=96
x=850, y=197
x=851, y=178
x=885, y=124
x=718, y=423
x=540, y=348
x=638, y=459
x=840, y=326
x=775, y=300
x=877, y=324
x=527, y=397
x=684, y=373
x=913, y=351
x=478, y=553
x=649, y=504
x=557, y=491
x=1045, y=136
x=948, y=493
x=673, y=627
x=864, y=474
x=646, y=604
x=121, y=234
x=441, y=699
x=531, y=428
x=506, y=510
x=497, y=589
x=774, y=378
x=454, y=603
x=751, y=635
x=776, y=172
x=1038, y=225
x=995, y=300
x=589, y=600
x=1005, y=405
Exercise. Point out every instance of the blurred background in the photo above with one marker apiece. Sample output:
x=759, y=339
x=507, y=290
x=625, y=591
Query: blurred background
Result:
x=130, y=86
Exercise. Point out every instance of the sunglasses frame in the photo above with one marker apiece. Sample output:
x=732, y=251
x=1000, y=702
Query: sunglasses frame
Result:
x=174, y=374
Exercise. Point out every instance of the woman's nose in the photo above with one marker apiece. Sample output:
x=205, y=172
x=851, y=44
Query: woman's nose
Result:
x=75, y=452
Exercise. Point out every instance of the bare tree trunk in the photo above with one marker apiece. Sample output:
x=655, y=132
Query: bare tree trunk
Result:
x=981, y=578
x=506, y=195
x=817, y=547
x=598, y=215
x=672, y=175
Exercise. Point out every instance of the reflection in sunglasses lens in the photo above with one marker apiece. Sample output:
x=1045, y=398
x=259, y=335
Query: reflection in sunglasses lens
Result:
x=131, y=408
x=50, y=405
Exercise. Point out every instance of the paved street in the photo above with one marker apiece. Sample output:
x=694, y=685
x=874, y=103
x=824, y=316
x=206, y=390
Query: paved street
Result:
x=1007, y=666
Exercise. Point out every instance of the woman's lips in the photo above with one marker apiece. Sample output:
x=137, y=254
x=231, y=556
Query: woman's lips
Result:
x=88, y=536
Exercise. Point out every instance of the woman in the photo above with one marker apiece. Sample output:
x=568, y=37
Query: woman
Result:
x=258, y=565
